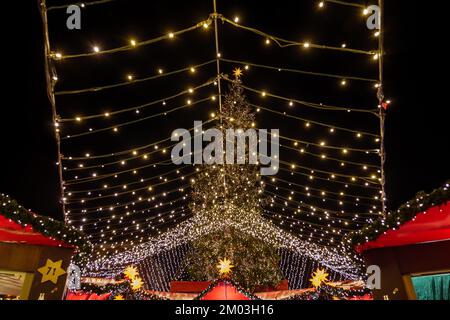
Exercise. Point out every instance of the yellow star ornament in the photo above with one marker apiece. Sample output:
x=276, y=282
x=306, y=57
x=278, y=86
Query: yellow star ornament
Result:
x=136, y=283
x=119, y=297
x=51, y=271
x=224, y=267
x=319, y=277
x=237, y=73
x=131, y=272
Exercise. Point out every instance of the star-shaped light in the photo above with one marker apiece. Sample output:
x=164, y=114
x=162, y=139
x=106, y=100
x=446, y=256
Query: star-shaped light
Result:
x=119, y=297
x=319, y=277
x=238, y=73
x=224, y=266
x=136, y=283
x=131, y=272
x=51, y=271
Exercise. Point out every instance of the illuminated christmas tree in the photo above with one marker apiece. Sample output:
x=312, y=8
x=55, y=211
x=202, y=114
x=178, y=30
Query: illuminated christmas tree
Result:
x=229, y=195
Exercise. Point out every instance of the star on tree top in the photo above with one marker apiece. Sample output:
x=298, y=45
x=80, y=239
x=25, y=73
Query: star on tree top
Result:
x=237, y=73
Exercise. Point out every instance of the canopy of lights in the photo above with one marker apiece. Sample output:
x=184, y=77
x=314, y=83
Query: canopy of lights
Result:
x=113, y=130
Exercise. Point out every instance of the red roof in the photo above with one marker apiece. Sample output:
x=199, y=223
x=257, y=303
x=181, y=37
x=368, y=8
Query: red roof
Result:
x=429, y=226
x=12, y=232
x=224, y=291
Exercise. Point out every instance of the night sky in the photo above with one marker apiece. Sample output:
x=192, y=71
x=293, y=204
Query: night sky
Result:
x=417, y=138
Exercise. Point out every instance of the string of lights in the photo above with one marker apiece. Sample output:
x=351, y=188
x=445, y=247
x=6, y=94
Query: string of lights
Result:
x=80, y=4
x=309, y=104
x=283, y=43
x=309, y=122
x=96, y=50
x=115, y=128
x=246, y=65
x=86, y=211
x=131, y=80
x=127, y=151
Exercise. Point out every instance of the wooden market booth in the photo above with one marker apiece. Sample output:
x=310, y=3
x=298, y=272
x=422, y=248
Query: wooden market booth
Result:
x=35, y=253
x=412, y=249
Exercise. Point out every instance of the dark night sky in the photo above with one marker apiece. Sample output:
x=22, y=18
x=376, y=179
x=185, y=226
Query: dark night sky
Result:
x=417, y=127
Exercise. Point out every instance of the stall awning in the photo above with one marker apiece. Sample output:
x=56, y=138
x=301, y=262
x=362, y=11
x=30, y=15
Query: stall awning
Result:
x=12, y=232
x=429, y=226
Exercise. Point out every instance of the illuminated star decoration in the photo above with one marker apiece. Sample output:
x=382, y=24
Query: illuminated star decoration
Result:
x=131, y=272
x=224, y=267
x=319, y=277
x=136, y=283
x=51, y=271
x=119, y=297
x=237, y=73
